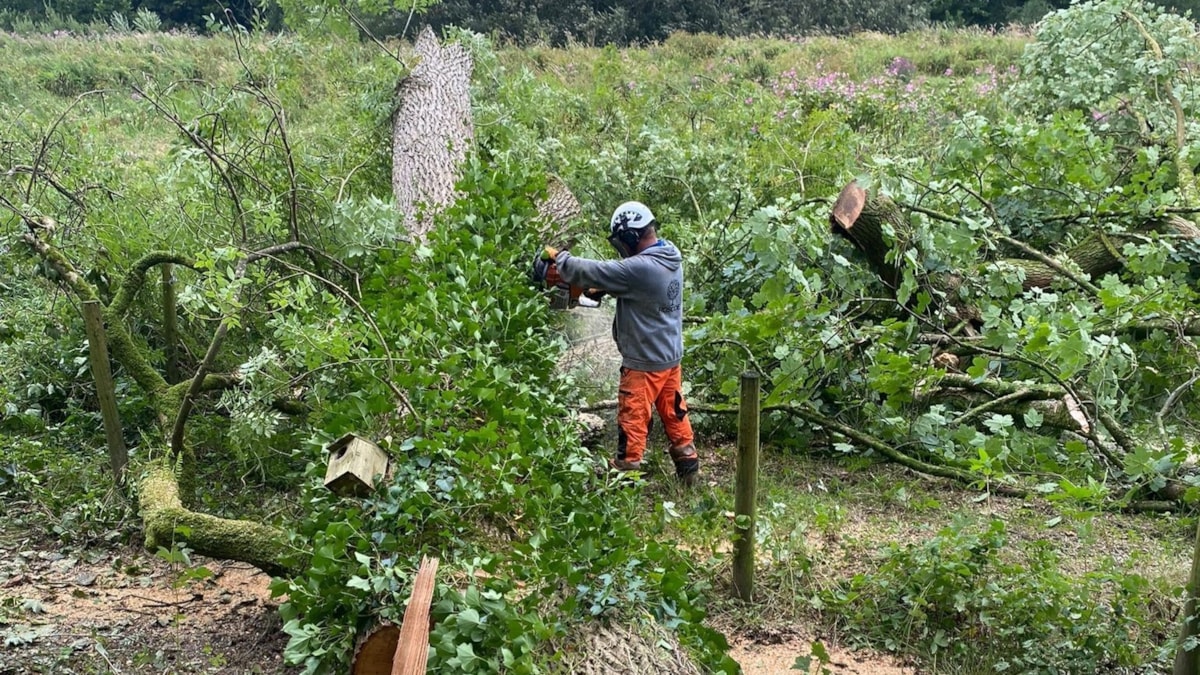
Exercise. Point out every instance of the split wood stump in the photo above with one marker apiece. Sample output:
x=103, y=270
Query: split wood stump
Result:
x=403, y=650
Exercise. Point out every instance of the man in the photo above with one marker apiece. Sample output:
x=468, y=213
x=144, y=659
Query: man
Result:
x=648, y=284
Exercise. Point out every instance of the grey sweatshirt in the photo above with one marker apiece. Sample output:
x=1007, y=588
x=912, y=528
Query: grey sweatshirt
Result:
x=648, y=287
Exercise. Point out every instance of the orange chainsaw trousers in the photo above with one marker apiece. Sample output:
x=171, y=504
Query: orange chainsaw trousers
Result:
x=639, y=394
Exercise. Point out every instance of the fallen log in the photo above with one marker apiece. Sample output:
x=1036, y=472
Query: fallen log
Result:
x=878, y=228
x=167, y=522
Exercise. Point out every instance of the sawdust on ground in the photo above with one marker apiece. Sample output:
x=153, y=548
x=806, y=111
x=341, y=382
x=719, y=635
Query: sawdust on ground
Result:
x=129, y=612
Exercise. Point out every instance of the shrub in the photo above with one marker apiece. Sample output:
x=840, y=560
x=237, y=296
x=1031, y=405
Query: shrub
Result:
x=956, y=592
x=695, y=45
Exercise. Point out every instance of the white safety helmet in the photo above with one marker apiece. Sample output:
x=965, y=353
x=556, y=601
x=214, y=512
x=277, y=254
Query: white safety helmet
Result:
x=627, y=224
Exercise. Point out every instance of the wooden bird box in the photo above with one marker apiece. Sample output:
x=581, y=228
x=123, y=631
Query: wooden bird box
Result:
x=353, y=464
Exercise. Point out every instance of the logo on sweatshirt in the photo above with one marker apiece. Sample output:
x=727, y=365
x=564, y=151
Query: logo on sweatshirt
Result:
x=672, y=299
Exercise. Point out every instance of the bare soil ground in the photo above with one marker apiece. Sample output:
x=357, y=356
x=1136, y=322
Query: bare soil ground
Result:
x=125, y=611
x=769, y=657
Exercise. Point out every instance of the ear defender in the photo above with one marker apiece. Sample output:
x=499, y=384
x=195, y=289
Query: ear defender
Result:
x=626, y=227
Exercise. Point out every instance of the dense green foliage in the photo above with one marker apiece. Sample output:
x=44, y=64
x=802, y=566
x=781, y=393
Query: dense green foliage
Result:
x=490, y=476
x=946, y=594
x=439, y=351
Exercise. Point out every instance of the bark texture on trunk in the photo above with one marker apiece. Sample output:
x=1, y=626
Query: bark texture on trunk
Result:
x=556, y=212
x=617, y=648
x=431, y=131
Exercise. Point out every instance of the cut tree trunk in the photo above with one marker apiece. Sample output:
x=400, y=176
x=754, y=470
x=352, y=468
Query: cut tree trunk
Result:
x=404, y=650
x=431, y=131
x=875, y=226
x=556, y=213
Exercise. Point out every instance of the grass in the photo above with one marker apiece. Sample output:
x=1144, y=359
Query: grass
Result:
x=824, y=524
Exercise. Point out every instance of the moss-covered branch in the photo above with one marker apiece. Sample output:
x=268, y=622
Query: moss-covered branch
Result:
x=167, y=522
x=120, y=342
x=66, y=271
x=135, y=278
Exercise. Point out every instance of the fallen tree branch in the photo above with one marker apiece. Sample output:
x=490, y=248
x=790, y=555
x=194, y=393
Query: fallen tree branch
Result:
x=997, y=387
x=809, y=414
x=49, y=178
x=993, y=404
x=167, y=523
x=1186, y=177
x=1170, y=402
x=210, y=356
x=219, y=162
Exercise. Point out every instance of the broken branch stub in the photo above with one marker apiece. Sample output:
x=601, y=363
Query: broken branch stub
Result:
x=431, y=130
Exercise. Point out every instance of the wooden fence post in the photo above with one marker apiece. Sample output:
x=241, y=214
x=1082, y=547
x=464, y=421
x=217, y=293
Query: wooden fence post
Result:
x=1187, y=661
x=170, y=331
x=746, y=488
x=93, y=321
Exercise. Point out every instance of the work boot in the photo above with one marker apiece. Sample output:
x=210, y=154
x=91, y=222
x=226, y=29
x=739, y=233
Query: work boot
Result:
x=619, y=465
x=622, y=465
x=687, y=464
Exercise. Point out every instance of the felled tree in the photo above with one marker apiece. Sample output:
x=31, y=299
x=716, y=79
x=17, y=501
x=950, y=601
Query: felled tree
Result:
x=431, y=131
x=1005, y=214
x=1018, y=300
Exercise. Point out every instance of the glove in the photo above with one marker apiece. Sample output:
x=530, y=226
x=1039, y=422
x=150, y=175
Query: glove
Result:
x=541, y=267
x=594, y=294
x=542, y=262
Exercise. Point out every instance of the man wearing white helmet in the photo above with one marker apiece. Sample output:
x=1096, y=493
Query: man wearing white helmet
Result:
x=648, y=284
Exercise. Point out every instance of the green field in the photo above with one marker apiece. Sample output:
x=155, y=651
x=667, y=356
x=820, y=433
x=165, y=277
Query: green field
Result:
x=978, y=427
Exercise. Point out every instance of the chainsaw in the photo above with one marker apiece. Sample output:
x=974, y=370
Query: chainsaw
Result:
x=562, y=295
